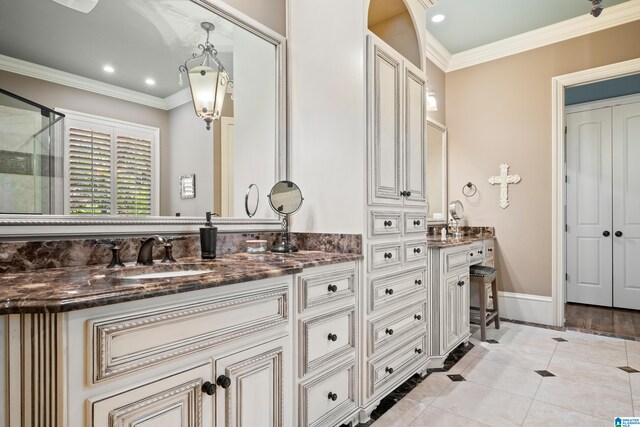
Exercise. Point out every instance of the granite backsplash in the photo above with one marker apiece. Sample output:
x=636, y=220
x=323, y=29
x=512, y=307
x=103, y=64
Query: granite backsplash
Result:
x=434, y=230
x=26, y=256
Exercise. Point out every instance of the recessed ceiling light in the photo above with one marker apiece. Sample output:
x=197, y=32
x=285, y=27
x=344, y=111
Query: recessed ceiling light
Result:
x=437, y=18
x=150, y=82
x=108, y=68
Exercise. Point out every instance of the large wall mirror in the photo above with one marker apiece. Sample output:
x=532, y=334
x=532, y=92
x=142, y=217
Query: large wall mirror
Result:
x=130, y=129
x=436, y=172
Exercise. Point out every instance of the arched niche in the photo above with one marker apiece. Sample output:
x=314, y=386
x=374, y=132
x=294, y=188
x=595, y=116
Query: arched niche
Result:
x=393, y=22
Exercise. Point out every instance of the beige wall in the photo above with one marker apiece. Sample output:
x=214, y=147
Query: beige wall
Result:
x=500, y=111
x=399, y=32
x=58, y=96
x=437, y=78
x=272, y=13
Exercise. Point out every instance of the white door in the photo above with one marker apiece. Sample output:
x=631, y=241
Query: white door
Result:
x=626, y=206
x=589, y=248
x=415, y=173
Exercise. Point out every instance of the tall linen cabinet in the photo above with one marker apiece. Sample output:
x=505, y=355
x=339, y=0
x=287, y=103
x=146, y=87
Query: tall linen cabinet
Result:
x=395, y=310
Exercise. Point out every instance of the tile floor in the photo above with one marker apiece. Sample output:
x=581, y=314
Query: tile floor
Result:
x=529, y=378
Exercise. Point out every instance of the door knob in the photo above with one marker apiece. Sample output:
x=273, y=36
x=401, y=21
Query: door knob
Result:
x=209, y=388
x=618, y=233
x=606, y=234
x=224, y=381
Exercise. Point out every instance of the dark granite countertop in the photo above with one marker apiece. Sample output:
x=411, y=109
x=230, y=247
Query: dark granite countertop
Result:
x=75, y=288
x=436, y=243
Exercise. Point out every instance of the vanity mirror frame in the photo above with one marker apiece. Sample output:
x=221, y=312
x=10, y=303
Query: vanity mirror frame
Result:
x=36, y=227
x=445, y=183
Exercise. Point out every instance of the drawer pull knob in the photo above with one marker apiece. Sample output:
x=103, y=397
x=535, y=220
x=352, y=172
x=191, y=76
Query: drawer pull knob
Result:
x=480, y=252
x=332, y=288
x=418, y=350
x=388, y=291
x=418, y=282
x=416, y=222
x=389, y=331
x=224, y=381
x=388, y=255
x=490, y=250
x=389, y=370
x=417, y=317
x=461, y=283
x=408, y=193
x=333, y=396
x=471, y=254
x=332, y=337
x=388, y=223
x=209, y=388
x=416, y=250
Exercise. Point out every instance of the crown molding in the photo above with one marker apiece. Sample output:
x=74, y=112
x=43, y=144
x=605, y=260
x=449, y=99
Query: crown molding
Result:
x=571, y=28
x=586, y=24
x=177, y=99
x=52, y=75
x=437, y=53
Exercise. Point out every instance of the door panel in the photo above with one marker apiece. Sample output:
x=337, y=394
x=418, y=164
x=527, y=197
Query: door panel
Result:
x=414, y=147
x=589, y=263
x=385, y=129
x=450, y=315
x=626, y=206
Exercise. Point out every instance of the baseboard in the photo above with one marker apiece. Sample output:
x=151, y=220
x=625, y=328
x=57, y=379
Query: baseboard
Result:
x=526, y=307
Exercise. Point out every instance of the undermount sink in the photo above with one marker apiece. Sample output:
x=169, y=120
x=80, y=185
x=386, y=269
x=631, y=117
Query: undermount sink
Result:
x=164, y=271
x=167, y=274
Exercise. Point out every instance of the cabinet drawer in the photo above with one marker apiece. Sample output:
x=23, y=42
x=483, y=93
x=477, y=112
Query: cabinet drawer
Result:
x=385, y=223
x=388, y=330
x=124, y=344
x=415, y=222
x=317, y=404
x=476, y=254
x=325, y=338
x=455, y=259
x=489, y=249
x=395, y=365
x=393, y=287
x=415, y=250
x=325, y=288
x=384, y=255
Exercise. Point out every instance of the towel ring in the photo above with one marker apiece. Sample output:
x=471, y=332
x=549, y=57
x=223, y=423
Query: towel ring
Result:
x=469, y=189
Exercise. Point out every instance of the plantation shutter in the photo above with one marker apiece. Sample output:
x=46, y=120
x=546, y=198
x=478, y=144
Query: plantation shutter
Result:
x=133, y=175
x=110, y=167
x=89, y=172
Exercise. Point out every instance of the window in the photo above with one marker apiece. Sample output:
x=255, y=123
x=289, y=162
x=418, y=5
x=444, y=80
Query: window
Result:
x=111, y=167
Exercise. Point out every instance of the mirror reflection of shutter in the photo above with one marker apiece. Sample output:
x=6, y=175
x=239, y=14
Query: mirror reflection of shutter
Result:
x=89, y=172
x=133, y=175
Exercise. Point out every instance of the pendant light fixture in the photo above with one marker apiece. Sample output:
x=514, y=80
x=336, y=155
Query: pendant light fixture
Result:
x=208, y=79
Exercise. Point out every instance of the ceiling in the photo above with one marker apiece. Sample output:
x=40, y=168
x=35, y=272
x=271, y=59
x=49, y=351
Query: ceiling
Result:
x=139, y=38
x=473, y=23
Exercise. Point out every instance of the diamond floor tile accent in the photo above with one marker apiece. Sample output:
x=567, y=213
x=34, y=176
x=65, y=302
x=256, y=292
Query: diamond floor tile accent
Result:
x=492, y=342
x=628, y=369
x=456, y=377
x=559, y=339
x=545, y=373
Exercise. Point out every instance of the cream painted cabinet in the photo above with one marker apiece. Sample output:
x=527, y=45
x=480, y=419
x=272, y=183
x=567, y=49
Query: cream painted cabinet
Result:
x=397, y=167
x=253, y=386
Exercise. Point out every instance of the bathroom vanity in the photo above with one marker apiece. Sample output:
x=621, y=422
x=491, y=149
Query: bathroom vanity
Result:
x=90, y=346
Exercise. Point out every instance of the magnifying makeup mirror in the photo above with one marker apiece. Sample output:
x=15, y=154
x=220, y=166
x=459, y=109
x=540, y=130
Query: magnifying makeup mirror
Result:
x=285, y=199
x=252, y=200
x=456, y=210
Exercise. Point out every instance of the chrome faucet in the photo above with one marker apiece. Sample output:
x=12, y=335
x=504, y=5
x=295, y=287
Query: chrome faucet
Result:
x=145, y=253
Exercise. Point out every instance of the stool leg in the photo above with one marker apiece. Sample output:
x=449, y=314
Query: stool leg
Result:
x=494, y=292
x=483, y=311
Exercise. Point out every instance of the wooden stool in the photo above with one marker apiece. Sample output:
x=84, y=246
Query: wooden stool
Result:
x=481, y=276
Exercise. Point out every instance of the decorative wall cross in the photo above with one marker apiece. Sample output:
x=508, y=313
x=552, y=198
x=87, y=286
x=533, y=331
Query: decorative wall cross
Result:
x=504, y=180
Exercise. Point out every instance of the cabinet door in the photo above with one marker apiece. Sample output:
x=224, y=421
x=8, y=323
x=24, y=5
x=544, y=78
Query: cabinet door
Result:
x=463, y=298
x=174, y=401
x=415, y=173
x=450, y=313
x=258, y=381
x=384, y=127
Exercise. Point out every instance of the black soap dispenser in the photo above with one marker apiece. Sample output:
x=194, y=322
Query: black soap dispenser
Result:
x=208, y=239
